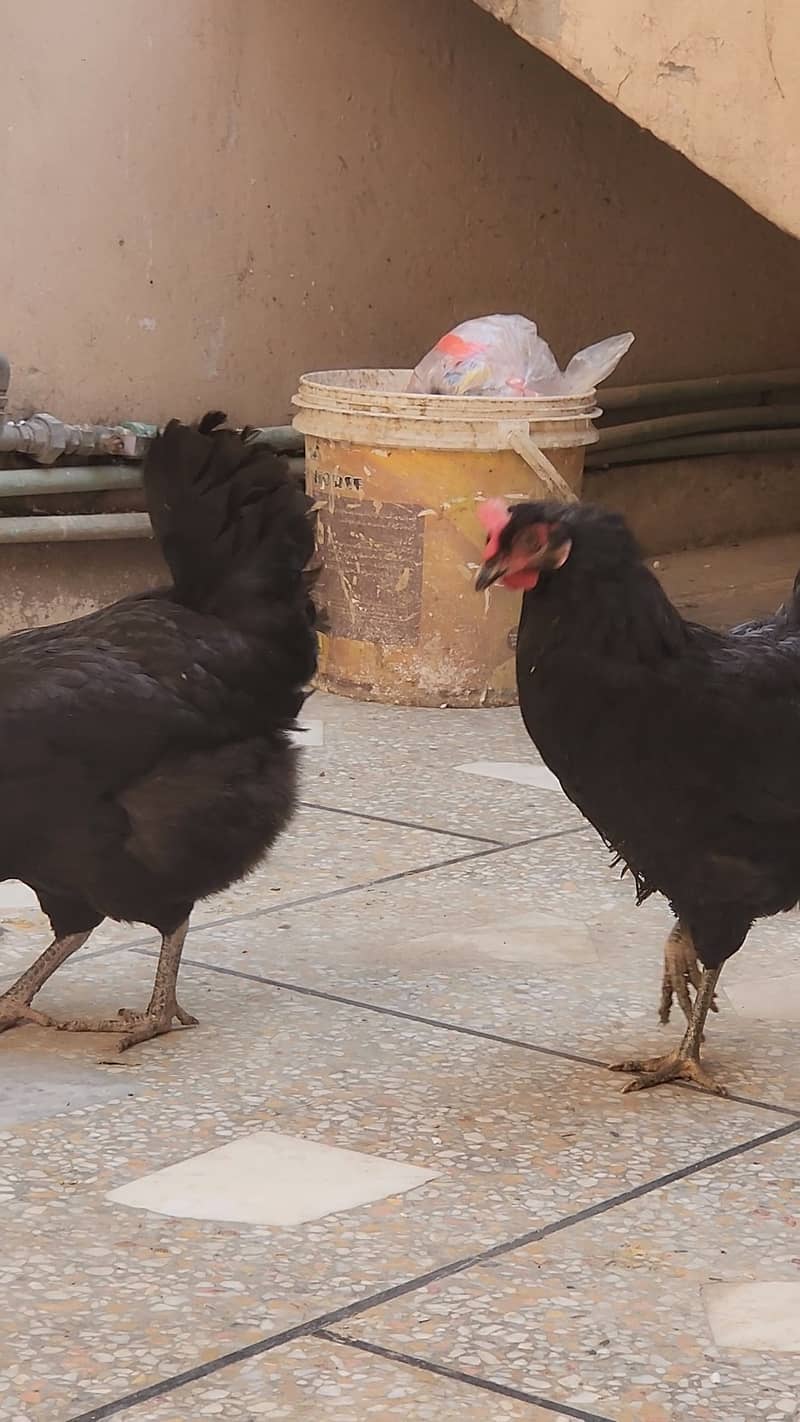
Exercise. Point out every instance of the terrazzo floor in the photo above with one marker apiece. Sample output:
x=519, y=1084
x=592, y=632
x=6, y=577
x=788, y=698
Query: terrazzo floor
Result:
x=389, y=1175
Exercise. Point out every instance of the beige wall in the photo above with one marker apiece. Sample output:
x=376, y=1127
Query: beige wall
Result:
x=717, y=79
x=203, y=198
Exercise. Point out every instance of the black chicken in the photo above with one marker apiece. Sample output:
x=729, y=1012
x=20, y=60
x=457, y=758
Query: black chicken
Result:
x=682, y=973
x=146, y=755
x=678, y=743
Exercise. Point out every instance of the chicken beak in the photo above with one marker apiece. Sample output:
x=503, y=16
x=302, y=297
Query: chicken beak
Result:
x=489, y=572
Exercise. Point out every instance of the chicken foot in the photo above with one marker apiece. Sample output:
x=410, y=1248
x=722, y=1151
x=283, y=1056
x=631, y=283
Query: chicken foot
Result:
x=681, y=972
x=682, y=1064
x=162, y=1009
x=15, y=1002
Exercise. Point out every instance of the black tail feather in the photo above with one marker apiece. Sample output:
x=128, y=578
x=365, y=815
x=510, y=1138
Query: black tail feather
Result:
x=232, y=521
x=211, y=421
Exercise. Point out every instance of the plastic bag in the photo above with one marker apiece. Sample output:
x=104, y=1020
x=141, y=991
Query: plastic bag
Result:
x=492, y=355
x=504, y=356
x=594, y=363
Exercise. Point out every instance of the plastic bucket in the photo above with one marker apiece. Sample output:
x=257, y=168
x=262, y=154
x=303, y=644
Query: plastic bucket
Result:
x=397, y=477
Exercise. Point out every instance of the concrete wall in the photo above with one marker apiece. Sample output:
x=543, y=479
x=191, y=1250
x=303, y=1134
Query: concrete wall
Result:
x=44, y=583
x=717, y=79
x=201, y=200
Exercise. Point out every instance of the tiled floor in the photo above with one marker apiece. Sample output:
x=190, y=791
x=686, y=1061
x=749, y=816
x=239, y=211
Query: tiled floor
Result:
x=389, y=1175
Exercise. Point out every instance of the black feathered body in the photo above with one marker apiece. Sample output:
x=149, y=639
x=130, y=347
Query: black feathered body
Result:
x=679, y=744
x=146, y=759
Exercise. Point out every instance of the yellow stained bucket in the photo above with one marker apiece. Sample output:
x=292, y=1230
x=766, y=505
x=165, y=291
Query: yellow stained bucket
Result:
x=397, y=478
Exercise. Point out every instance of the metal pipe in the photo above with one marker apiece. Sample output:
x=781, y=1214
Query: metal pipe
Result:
x=284, y=439
x=77, y=479
x=74, y=528
x=45, y=438
x=85, y=479
x=751, y=417
x=690, y=392
x=731, y=442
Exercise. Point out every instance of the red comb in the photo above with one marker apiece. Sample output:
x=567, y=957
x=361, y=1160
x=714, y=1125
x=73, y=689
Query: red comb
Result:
x=494, y=514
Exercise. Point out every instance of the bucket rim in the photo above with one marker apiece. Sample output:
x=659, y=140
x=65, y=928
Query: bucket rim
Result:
x=331, y=387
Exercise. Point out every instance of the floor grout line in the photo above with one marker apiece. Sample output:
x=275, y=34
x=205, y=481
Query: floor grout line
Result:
x=442, y=1024
x=425, y=1365
x=402, y=824
x=410, y=1286
x=286, y=906
x=395, y=878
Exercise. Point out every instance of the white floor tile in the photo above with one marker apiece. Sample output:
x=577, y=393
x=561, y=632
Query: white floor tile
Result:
x=518, y=772
x=760, y=1316
x=270, y=1179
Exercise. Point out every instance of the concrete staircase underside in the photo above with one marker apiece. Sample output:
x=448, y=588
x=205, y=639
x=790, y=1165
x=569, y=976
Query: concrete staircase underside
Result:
x=717, y=80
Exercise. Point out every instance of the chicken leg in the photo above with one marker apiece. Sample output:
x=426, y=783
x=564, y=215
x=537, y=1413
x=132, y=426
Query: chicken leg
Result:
x=681, y=972
x=161, y=1010
x=684, y=1063
x=15, y=1002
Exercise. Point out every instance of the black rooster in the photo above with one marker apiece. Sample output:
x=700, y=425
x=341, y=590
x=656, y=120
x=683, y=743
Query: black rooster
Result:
x=146, y=755
x=678, y=743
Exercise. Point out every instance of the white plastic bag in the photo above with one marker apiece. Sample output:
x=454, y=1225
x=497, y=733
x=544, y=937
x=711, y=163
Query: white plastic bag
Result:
x=595, y=363
x=504, y=356
x=493, y=355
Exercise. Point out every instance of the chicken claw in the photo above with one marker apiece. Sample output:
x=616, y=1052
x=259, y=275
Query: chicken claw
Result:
x=137, y=1026
x=682, y=1064
x=674, y=1066
x=161, y=1010
x=14, y=1011
x=15, y=1002
x=681, y=972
